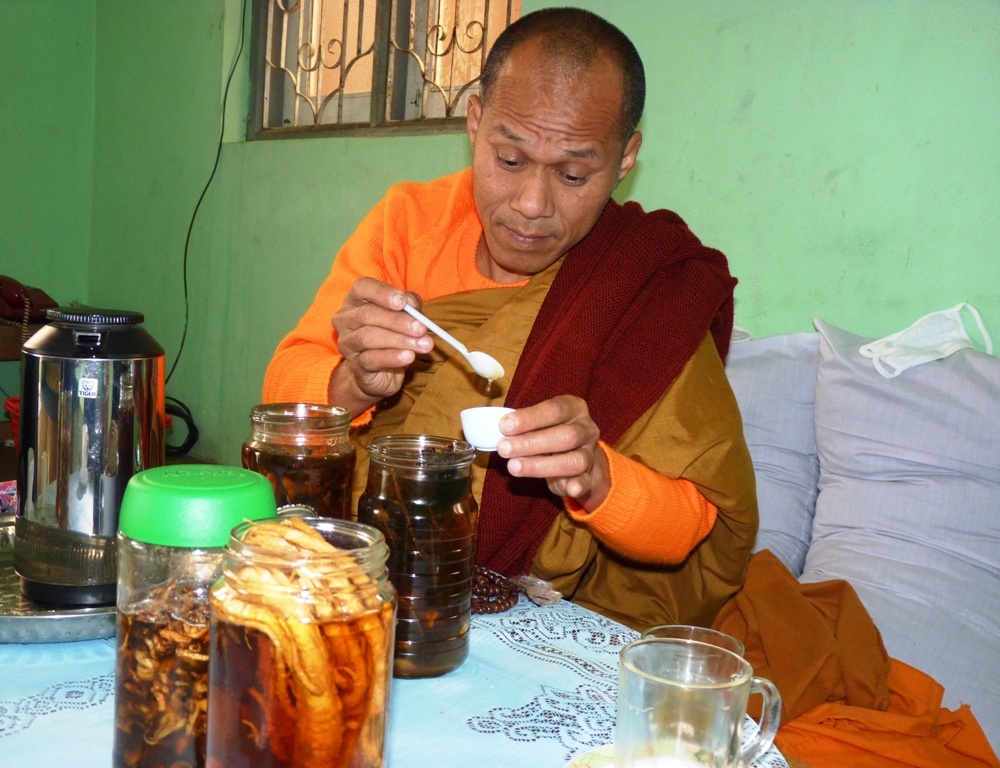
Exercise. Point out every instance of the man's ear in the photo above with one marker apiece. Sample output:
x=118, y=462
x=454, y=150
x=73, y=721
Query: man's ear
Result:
x=629, y=155
x=475, y=114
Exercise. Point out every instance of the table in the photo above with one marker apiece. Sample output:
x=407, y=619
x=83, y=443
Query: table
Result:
x=539, y=687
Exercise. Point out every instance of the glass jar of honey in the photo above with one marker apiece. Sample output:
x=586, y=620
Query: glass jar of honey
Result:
x=302, y=623
x=305, y=451
x=419, y=495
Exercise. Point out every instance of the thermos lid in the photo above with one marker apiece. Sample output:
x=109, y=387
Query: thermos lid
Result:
x=93, y=316
x=93, y=333
x=193, y=505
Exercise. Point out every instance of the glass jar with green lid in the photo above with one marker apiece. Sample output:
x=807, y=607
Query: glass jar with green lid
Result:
x=305, y=452
x=175, y=522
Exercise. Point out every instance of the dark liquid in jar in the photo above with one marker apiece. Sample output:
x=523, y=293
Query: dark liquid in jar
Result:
x=261, y=716
x=429, y=526
x=161, y=681
x=321, y=481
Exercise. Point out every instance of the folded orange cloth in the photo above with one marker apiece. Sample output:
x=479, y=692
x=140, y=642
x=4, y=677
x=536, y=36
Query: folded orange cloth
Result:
x=844, y=701
x=915, y=731
x=816, y=642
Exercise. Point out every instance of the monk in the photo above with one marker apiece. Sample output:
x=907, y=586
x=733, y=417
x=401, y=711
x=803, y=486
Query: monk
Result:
x=623, y=476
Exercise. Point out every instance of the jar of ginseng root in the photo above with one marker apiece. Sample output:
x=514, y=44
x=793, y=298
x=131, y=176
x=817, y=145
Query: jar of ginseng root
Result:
x=175, y=522
x=302, y=640
x=305, y=452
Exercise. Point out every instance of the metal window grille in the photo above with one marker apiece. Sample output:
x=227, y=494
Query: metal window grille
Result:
x=360, y=66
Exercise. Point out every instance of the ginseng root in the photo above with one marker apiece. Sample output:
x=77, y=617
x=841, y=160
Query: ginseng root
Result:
x=328, y=664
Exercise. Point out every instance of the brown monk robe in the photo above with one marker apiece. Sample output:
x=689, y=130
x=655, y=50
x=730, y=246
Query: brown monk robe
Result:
x=689, y=433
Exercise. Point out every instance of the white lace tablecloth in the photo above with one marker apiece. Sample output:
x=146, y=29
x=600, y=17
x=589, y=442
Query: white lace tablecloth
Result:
x=539, y=687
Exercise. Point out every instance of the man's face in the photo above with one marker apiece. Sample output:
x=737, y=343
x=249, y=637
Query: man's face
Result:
x=546, y=155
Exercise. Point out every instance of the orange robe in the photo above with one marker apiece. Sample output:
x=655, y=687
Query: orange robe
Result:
x=423, y=238
x=844, y=701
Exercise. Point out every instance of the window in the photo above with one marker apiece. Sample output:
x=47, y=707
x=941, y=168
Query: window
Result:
x=364, y=66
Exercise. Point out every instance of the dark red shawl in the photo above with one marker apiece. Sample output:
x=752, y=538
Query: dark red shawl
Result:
x=629, y=307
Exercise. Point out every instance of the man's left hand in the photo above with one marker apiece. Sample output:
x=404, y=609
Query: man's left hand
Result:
x=557, y=440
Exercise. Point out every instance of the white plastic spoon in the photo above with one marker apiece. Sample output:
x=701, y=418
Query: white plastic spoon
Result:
x=481, y=363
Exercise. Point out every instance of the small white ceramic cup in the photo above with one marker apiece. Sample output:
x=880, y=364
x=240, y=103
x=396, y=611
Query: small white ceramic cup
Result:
x=482, y=426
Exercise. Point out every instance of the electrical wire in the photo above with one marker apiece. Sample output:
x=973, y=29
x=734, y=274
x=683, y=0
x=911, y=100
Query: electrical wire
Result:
x=175, y=407
x=215, y=167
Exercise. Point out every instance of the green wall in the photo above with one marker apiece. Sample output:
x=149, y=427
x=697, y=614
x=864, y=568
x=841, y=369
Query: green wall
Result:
x=267, y=230
x=843, y=155
x=46, y=143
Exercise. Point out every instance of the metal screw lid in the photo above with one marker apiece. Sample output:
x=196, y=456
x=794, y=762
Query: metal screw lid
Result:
x=93, y=316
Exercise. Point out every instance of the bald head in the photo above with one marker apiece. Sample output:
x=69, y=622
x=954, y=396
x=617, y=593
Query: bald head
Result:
x=574, y=41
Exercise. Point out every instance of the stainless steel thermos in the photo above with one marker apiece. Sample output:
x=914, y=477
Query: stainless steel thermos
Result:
x=92, y=415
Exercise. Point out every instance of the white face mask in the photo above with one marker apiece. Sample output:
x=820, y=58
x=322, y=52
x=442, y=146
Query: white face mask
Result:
x=932, y=337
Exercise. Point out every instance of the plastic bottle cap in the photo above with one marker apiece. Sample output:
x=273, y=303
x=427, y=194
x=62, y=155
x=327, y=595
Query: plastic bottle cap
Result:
x=193, y=505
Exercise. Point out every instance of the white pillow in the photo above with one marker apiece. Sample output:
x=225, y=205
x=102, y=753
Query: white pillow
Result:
x=909, y=510
x=774, y=379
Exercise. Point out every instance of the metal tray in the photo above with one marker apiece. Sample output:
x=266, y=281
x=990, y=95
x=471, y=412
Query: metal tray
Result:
x=24, y=621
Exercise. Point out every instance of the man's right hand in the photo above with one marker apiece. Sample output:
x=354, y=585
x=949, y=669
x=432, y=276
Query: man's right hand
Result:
x=378, y=340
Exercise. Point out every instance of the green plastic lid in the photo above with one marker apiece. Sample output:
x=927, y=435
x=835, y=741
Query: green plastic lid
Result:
x=193, y=505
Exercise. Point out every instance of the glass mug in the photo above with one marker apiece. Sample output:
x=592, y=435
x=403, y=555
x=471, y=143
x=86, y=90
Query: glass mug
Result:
x=699, y=634
x=682, y=704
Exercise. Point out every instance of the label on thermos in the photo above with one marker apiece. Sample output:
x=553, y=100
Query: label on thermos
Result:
x=88, y=388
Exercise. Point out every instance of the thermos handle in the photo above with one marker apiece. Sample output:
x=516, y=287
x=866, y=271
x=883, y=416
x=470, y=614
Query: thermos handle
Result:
x=87, y=339
x=770, y=717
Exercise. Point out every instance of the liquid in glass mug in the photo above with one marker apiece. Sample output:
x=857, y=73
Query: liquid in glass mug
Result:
x=682, y=704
